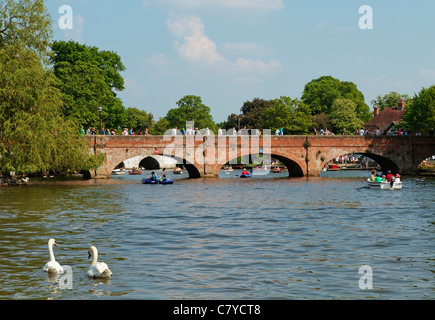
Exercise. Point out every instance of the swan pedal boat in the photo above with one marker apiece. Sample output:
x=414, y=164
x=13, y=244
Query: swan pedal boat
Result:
x=148, y=181
x=384, y=185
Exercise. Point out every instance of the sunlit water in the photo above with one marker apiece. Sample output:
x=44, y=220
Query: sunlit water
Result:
x=226, y=238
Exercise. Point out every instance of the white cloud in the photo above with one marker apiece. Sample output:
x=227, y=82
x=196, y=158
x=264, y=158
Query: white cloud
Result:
x=231, y=4
x=197, y=48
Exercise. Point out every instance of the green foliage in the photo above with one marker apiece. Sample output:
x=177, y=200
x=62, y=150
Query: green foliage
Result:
x=252, y=113
x=290, y=114
x=138, y=120
x=420, y=115
x=232, y=122
x=35, y=137
x=320, y=94
x=27, y=24
x=390, y=100
x=89, y=79
x=160, y=127
x=343, y=116
x=191, y=108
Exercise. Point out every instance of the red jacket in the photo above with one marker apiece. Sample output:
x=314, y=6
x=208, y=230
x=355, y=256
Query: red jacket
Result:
x=388, y=177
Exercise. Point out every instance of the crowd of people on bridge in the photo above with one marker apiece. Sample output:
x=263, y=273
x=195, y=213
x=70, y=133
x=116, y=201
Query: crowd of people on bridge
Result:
x=245, y=131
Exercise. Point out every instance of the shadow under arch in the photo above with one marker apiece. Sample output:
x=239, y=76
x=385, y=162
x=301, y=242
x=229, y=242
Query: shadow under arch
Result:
x=385, y=163
x=149, y=163
x=294, y=169
x=191, y=169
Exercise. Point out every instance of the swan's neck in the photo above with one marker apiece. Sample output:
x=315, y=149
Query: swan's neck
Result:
x=50, y=249
x=94, y=257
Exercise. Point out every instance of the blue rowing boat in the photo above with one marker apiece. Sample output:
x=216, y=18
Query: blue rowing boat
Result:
x=148, y=181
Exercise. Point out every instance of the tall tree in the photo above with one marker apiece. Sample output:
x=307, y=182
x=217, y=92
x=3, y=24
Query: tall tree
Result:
x=252, y=111
x=191, y=108
x=35, y=137
x=89, y=78
x=390, y=100
x=138, y=120
x=290, y=114
x=343, y=116
x=27, y=24
x=420, y=115
x=321, y=93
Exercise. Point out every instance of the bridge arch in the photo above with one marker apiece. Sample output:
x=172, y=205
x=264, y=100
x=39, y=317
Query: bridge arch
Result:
x=149, y=163
x=384, y=162
x=294, y=169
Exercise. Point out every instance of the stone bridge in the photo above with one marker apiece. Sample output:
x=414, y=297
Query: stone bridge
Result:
x=302, y=155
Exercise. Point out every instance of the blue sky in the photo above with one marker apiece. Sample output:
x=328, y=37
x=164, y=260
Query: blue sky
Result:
x=228, y=52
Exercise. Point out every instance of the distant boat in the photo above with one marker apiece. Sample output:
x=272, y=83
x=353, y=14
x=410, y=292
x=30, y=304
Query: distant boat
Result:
x=276, y=170
x=135, y=172
x=178, y=171
x=118, y=172
x=245, y=176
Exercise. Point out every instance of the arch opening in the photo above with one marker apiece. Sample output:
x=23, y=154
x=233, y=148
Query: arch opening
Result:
x=159, y=162
x=361, y=161
x=277, y=164
x=149, y=163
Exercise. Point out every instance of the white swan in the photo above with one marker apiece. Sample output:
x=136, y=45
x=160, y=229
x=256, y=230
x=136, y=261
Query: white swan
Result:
x=97, y=269
x=52, y=266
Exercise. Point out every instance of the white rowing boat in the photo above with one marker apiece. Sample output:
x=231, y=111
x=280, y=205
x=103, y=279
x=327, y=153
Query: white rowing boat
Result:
x=384, y=185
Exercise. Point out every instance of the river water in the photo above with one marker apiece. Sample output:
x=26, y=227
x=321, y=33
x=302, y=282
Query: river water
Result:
x=226, y=238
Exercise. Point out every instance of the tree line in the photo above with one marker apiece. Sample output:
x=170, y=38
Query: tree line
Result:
x=49, y=90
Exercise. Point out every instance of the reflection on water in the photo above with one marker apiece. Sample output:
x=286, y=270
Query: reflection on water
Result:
x=226, y=238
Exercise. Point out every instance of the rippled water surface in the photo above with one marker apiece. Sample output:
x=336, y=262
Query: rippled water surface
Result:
x=226, y=238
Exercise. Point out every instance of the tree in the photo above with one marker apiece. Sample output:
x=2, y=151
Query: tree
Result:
x=35, y=137
x=160, y=127
x=321, y=121
x=138, y=120
x=343, y=116
x=390, y=100
x=320, y=94
x=25, y=23
x=231, y=122
x=191, y=108
x=420, y=115
x=290, y=114
x=252, y=113
x=89, y=78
